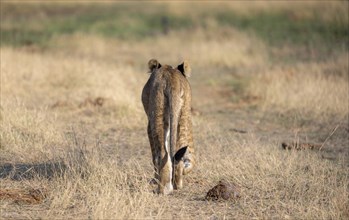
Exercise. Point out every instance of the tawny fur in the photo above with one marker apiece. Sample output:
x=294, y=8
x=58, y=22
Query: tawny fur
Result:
x=168, y=90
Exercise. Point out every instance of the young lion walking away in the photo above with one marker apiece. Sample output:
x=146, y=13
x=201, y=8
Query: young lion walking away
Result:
x=166, y=100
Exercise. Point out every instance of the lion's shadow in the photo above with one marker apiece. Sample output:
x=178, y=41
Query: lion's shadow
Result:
x=23, y=171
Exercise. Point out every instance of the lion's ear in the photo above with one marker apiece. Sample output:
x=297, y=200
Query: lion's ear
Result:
x=184, y=68
x=153, y=65
x=180, y=153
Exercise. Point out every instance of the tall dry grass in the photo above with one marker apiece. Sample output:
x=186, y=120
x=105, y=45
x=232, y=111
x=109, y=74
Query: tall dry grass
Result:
x=318, y=90
x=212, y=47
x=274, y=183
x=65, y=77
x=95, y=160
x=99, y=182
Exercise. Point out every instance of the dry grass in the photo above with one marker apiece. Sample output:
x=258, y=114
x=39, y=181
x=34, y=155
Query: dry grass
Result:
x=218, y=47
x=73, y=128
x=318, y=90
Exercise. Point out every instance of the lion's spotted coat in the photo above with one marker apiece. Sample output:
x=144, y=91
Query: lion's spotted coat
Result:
x=166, y=98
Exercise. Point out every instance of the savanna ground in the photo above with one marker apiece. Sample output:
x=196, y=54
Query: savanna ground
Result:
x=73, y=130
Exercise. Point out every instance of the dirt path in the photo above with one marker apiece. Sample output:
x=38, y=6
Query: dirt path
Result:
x=213, y=104
x=243, y=118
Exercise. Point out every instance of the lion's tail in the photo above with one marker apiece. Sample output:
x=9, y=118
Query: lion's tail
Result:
x=172, y=123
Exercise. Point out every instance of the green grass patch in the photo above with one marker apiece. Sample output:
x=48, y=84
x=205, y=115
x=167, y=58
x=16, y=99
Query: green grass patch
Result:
x=34, y=23
x=26, y=24
x=280, y=27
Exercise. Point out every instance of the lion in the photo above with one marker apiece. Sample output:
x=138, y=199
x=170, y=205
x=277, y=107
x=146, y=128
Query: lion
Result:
x=166, y=99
